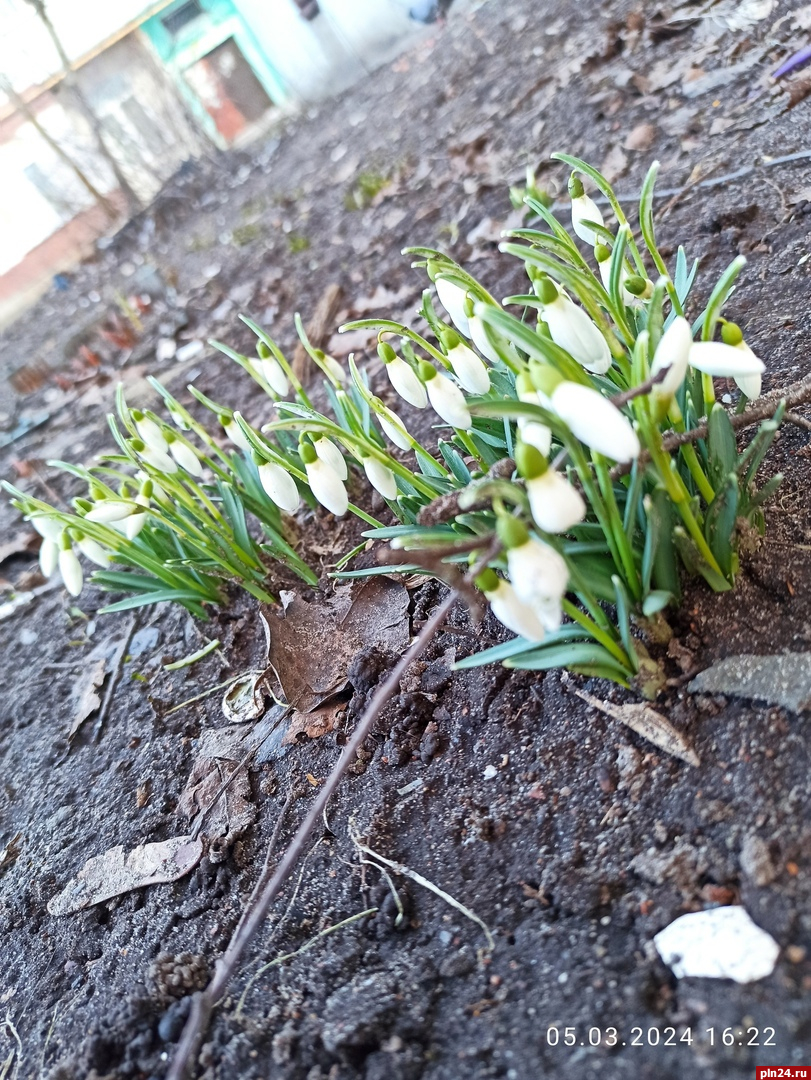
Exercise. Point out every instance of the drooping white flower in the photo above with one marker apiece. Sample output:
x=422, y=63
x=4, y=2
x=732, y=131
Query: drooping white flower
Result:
x=539, y=576
x=134, y=523
x=404, y=380
x=380, y=477
x=584, y=211
x=532, y=431
x=326, y=485
x=393, y=427
x=593, y=420
x=331, y=366
x=150, y=432
x=108, y=511
x=158, y=460
x=554, y=503
x=48, y=556
x=718, y=358
x=280, y=487
x=572, y=329
x=511, y=611
x=750, y=385
x=329, y=452
x=71, y=570
x=453, y=297
x=93, y=551
x=673, y=354
x=273, y=373
x=236, y=435
x=478, y=336
x=47, y=527
x=447, y=400
x=185, y=457
x=467, y=366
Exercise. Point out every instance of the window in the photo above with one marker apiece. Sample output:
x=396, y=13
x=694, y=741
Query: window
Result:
x=182, y=16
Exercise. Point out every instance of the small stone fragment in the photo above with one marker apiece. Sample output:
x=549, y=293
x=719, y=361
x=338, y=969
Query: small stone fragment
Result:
x=722, y=943
x=756, y=861
x=780, y=680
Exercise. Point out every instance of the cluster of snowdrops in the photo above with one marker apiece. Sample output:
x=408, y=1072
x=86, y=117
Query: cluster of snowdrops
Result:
x=587, y=388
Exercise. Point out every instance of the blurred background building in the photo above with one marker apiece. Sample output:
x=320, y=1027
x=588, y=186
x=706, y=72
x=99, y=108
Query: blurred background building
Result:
x=101, y=102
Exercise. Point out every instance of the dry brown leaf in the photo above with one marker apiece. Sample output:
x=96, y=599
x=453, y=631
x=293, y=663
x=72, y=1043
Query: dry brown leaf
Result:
x=312, y=644
x=614, y=164
x=86, y=694
x=232, y=813
x=113, y=872
x=648, y=723
x=381, y=299
x=640, y=138
x=10, y=853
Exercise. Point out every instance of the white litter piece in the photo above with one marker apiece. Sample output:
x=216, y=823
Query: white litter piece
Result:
x=722, y=943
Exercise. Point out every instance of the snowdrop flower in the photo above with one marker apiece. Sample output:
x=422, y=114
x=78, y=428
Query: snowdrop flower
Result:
x=672, y=355
x=538, y=573
x=47, y=527
x=184, y=456
x=593, y=420
x=271, y=370
x=508, y=609
x=70, y=568
x=447, y=400
x=602, y=254
x=393, y=427
x=468, y=368
x=584, y=211
x=324, y=482
x=48, y=556
x=402, y=377
x=554, y=503
x=479, y=338
x=750, y=385
x=452, y=297
x=157, y=459
x=380, y=477
x=331, y=455
x=109, y=511
x=331, y=366
x=532, y=431
x=279, y=486
x=93, y=551
x=134, y=523
x=726, y=358
x=149, y=431
x=235, y=433
x=572, y=329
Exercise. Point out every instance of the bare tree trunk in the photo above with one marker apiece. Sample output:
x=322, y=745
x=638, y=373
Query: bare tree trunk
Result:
x=22, y=106
x=85, y=108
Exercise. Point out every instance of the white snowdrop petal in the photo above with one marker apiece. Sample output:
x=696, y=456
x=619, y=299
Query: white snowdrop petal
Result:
x=722, y=943
x=453, y=298
x=394, y=429
x=329, y=453
x=514, y=613
x=273, y=374
x=279, y=486
x=469, y=369
x=93, y=551
x=237, y=436
x=109, y=511
x=186, y=458
x=404, y=380
x=593, y=420
x=555, y=505
x=479, y=338
x=151, y=434
x=380, y=477
x=536, y=434
x=750, y=385
x=71, y=570
x=448, y=401
x=162, y=462
x=572, y=329
x=725, y=361
x=46, y=526
x=585, y=210
x=48, y=556
x=538, y=573
x=327, y=487
x=672, y=353
x=134, y=523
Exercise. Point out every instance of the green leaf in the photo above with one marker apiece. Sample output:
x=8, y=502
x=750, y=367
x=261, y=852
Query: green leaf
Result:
x=656, y=601
x=719, y=523
x=695, y=562
x=624, y=621
x=568, y=655
x=723, y=453
x=517, y=646
x=659, y=558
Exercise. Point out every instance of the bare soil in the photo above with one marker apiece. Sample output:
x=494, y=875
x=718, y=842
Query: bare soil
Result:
x=574, y=841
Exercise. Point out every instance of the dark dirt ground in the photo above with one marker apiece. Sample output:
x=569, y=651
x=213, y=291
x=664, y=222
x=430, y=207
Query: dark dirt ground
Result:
x=572, y=839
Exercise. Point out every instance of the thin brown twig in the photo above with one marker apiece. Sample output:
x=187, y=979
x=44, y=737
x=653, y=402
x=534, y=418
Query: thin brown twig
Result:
x=204, y=1001
x=797, y=420
x=797, y=394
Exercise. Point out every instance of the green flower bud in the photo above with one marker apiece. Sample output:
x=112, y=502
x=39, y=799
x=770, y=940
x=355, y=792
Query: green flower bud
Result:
x=307, y=453
x=635, y=285
x=262, y=351
x=469, y=306
x=82, y=505
x=546, y=290
x=530, y=461
x=511, y=532
x=602, y=252
x=450, y=339
x=576, y=190
x=487, y=580
x=433, y=268
x=426, y=371
x=138, y=445
x=147, y=489
x=136, y=415
x=544, y=377
x=386, y=352
x=731, y=334
x=524, y=383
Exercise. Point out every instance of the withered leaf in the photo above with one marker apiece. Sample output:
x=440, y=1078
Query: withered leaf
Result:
x=648, y=723
x=86, y=695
